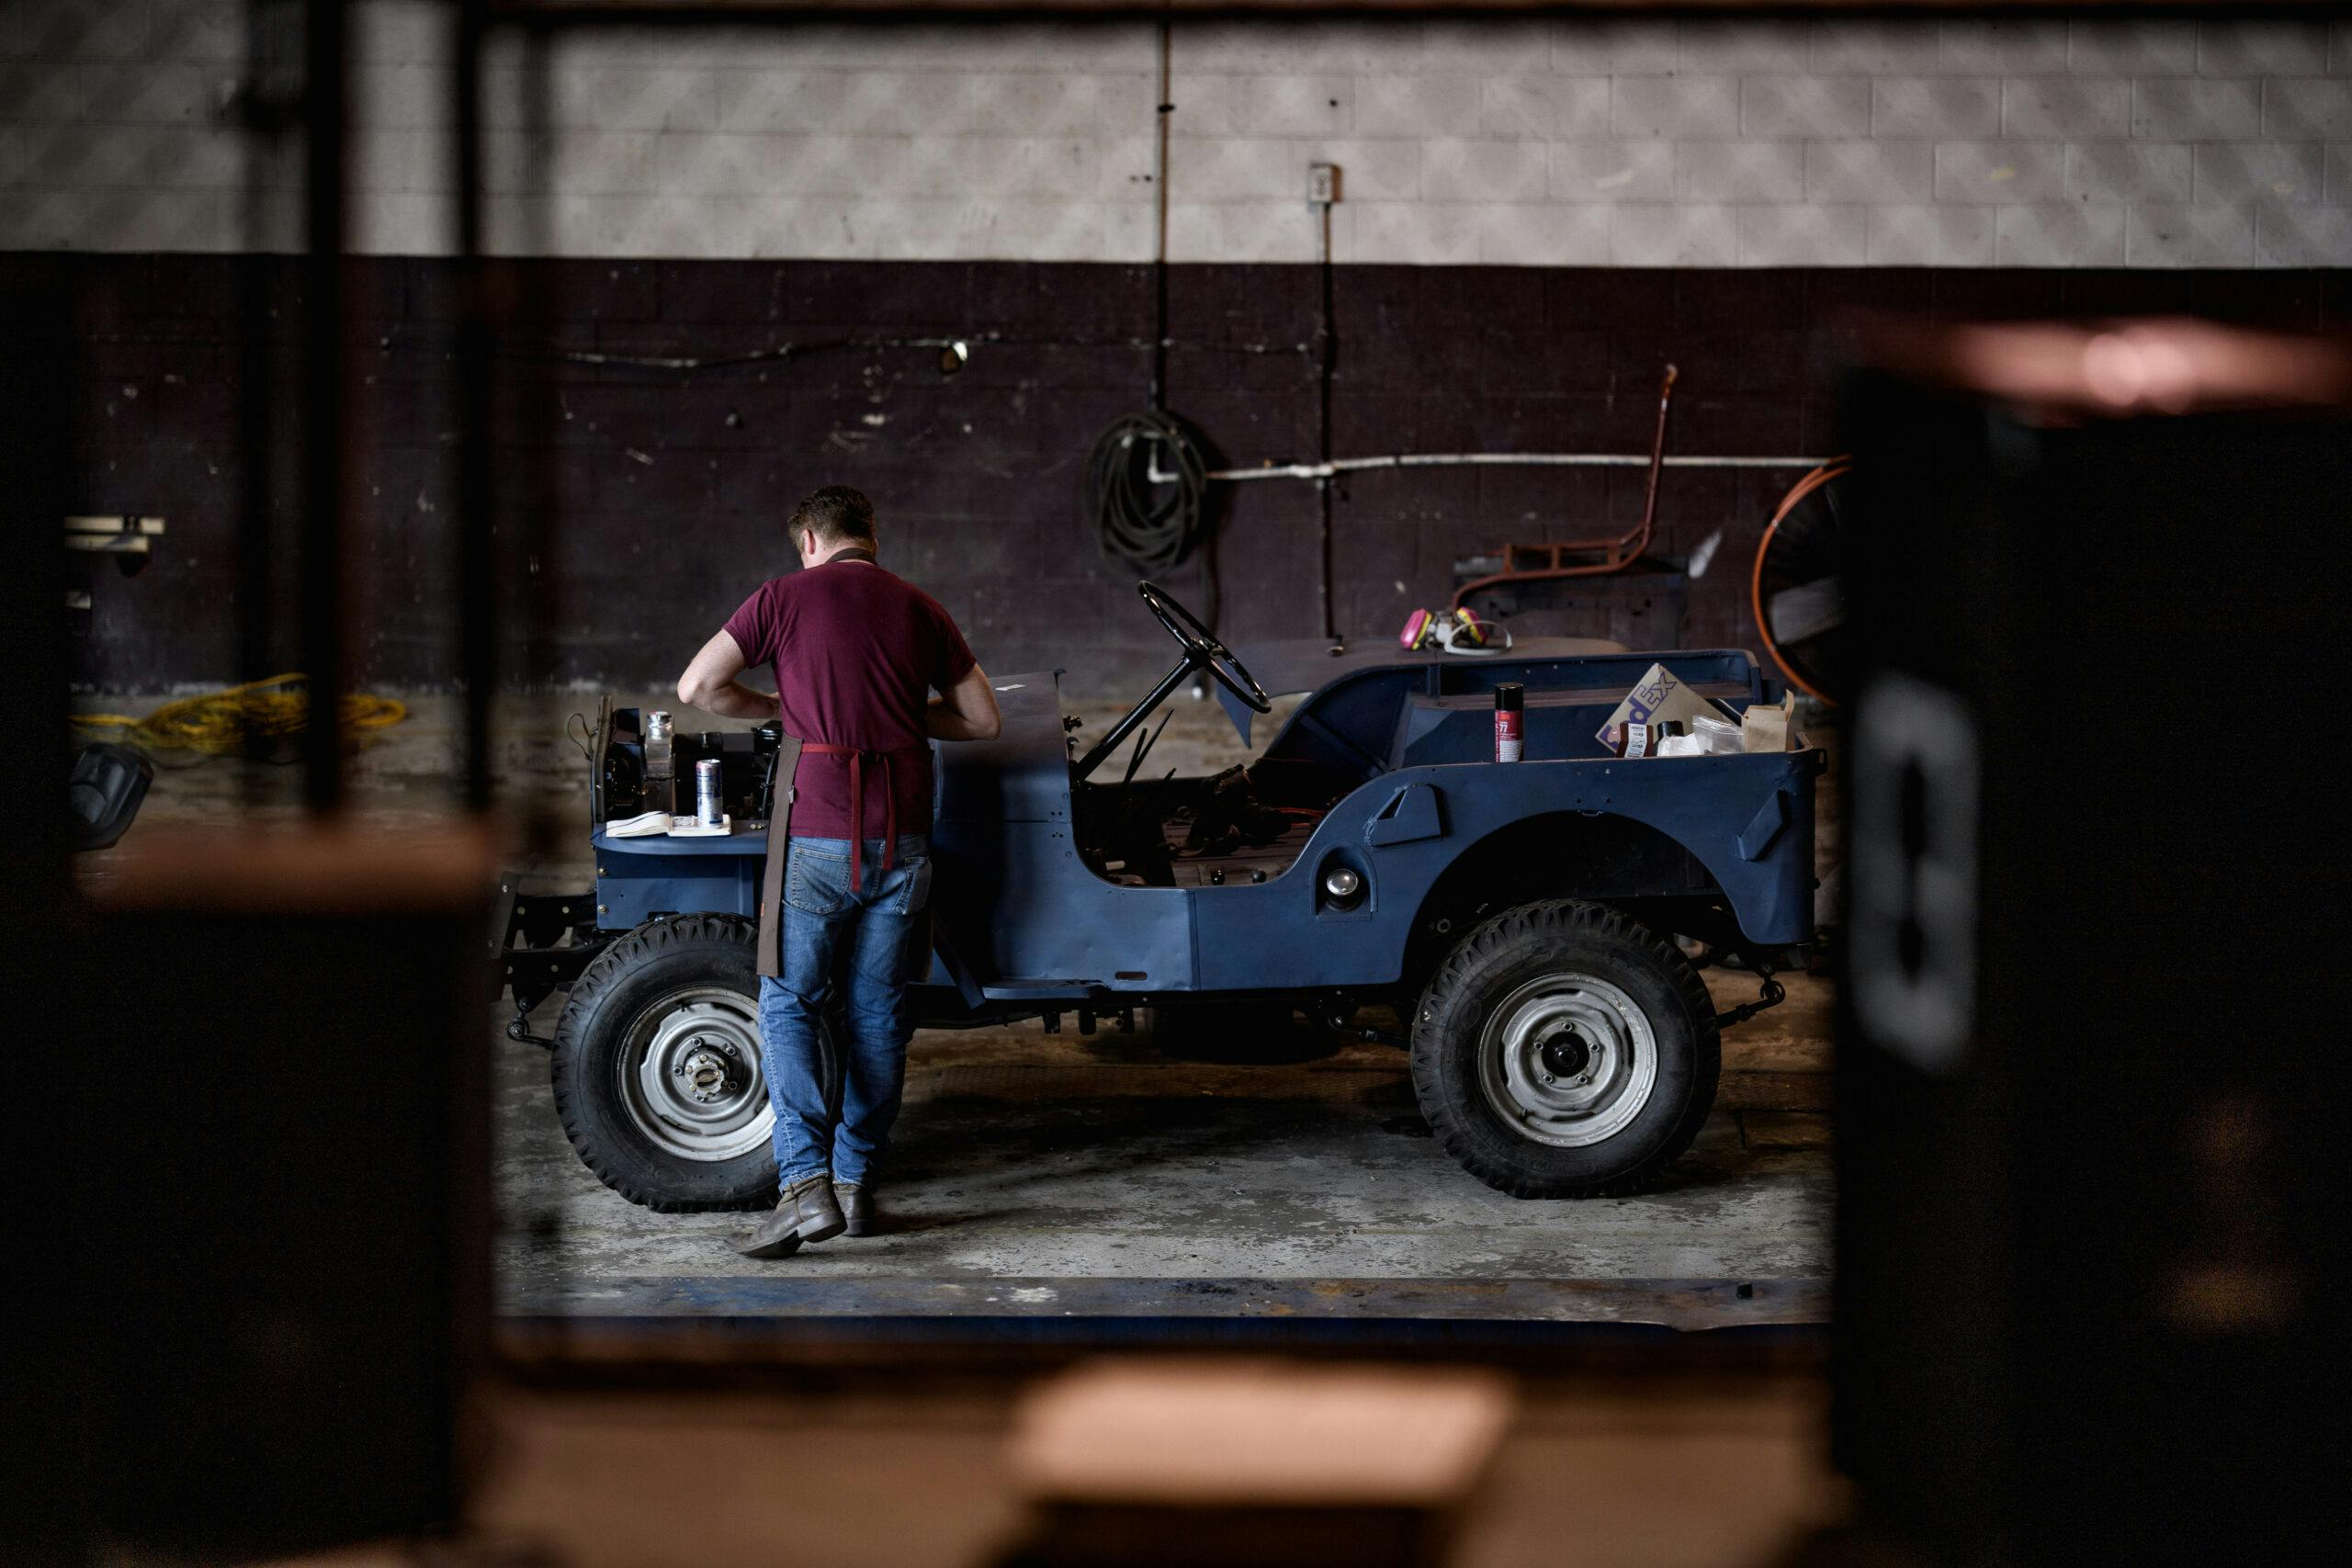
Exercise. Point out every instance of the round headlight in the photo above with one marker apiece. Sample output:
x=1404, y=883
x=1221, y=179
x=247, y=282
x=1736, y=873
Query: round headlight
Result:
x=1342, y=884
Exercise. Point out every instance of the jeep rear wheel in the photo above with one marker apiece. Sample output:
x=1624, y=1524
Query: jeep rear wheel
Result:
x=657, y=1072
x=1562, y=1051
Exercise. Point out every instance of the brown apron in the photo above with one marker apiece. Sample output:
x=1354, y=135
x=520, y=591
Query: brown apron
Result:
x=771, y=930
x=787, y=764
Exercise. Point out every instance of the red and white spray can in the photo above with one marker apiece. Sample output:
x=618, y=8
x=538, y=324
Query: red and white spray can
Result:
x=1511, y=700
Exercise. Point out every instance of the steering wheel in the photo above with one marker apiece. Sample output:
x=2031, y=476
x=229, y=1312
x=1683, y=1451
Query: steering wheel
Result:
x=1201, y=647
x=1202, y=651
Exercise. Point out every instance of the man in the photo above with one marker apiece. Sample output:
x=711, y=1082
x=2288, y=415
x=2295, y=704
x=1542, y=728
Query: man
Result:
x=856, y=653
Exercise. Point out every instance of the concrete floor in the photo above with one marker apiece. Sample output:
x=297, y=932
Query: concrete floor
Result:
x=1044, y=1177
x=1038, y=1175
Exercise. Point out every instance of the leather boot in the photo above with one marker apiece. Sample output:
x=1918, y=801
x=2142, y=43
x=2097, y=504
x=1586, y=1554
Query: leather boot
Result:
x=857, y=1209
x=805, y=1212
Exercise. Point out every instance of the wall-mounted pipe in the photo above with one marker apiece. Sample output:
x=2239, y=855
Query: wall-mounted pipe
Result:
x=1488, y=459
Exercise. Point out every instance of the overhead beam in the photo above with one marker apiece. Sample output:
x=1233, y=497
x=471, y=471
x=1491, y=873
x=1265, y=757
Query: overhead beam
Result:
x=684, y=11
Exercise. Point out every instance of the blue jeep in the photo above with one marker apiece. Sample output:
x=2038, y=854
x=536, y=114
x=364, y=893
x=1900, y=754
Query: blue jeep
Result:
x=1520, y=918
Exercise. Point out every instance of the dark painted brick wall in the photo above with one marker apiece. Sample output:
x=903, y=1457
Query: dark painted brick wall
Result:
x=638, y=506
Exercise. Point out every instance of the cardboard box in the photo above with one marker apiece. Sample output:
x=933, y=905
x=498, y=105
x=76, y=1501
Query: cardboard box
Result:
x=1658, y=697
x=1770, y=727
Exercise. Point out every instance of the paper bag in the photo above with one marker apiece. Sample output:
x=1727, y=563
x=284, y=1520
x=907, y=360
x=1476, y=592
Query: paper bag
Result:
x=1769, y=727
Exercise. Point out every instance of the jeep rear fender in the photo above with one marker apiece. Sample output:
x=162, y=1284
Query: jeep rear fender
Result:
x=1737, y=828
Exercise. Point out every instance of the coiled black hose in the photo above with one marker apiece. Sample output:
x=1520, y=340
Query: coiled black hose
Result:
x=1145, y=527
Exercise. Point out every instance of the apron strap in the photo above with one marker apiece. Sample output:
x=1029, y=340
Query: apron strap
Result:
x=857, y=807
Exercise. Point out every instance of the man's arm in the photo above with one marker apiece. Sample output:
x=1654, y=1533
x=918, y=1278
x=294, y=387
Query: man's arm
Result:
x=966, y=712
x=710, y=683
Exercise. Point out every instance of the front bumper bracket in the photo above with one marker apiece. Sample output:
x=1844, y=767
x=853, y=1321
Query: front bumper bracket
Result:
x=541, y=943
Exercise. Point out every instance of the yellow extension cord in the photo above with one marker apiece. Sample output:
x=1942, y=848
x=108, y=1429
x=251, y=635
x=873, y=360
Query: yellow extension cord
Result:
x=218, y=723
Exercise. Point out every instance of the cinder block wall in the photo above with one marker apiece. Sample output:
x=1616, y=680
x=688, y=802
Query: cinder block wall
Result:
x=2138, y=141
x=1536, y=214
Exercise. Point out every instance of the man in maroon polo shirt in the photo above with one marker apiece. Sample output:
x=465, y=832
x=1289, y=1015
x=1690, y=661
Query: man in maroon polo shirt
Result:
x=857, y=655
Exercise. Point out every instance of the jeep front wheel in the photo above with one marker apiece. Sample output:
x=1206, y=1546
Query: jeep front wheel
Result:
x=1562, y=1051
x=656, y=1067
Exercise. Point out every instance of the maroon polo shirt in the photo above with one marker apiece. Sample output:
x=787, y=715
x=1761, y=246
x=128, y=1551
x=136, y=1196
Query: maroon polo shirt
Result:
x=857, y=653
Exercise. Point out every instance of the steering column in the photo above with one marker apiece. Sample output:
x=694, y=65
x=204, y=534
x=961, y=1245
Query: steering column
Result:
x=1202, y=651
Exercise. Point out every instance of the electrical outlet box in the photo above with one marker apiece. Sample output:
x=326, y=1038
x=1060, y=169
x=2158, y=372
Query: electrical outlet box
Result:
x=1322, y=184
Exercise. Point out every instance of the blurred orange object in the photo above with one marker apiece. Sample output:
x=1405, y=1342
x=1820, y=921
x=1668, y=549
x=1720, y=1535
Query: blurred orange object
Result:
x=1240, y=1462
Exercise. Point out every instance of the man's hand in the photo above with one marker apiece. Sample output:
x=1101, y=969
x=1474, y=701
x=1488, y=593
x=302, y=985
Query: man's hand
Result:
x=967, y=712
x=710, y=683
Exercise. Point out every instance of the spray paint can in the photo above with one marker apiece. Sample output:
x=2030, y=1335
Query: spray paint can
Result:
x=710, y=810
x=1511, y=699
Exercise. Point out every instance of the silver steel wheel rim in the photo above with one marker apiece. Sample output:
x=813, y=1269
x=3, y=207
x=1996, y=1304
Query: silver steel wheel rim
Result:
x=1567, y=1060
x=690, y=1076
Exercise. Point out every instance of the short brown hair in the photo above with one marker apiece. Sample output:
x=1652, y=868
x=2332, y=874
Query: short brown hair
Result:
x=837, y=515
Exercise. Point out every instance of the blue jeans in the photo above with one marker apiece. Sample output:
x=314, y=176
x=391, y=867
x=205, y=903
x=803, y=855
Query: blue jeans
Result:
x=833, y=931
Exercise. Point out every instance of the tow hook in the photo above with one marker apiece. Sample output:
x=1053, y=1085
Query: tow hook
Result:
x=518, y=1028
x=1342, y=1020
x=1770, y=994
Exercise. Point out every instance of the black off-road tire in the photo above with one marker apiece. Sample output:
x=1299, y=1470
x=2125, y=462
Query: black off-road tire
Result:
x=1521, y=945
x=634, y=972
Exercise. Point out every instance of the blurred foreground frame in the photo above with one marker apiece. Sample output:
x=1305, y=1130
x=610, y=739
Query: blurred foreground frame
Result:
x=2087, y=1223
x=291, y=1235
x=2070, y=1300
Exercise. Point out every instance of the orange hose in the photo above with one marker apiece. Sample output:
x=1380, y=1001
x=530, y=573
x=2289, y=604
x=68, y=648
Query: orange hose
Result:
x=1803, y=487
